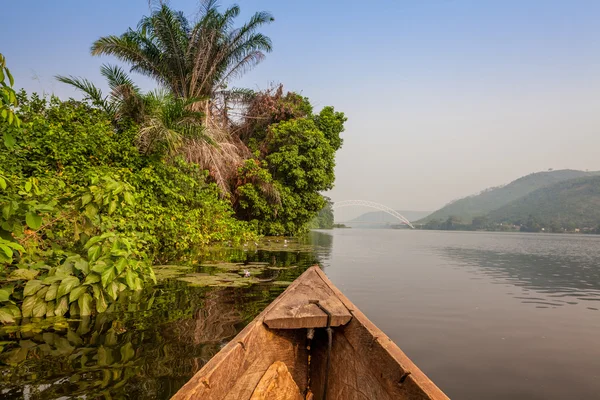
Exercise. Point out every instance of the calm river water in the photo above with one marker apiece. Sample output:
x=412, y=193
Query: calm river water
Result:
x=485, y=315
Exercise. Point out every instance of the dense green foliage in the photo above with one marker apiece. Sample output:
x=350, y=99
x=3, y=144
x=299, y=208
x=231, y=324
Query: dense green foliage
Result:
x=84, y=213
x=295, y=159
x=491, y=199
x=574, y=203
x=324, y=219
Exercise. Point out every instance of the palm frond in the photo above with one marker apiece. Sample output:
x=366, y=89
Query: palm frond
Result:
x=91, y=91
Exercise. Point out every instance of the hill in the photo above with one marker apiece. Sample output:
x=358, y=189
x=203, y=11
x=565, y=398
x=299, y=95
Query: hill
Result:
x=575, y=203
x=383, y=217
x=494, y=198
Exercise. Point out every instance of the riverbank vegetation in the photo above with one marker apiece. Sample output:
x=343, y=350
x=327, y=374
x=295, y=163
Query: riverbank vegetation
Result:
x=94, y=192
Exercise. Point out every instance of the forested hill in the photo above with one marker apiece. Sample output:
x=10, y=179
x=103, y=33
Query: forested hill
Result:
x=494, y=198
x=575, y=203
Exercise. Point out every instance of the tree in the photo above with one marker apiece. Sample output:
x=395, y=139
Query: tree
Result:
x=295, y=155
x=480, y=222
x=192, y=59
x=532, y=225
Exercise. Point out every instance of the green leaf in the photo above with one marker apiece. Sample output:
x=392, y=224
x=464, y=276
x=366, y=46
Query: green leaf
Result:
x=50, y=309
x=31, y=287
x=82, y=265
x=113, y=290
x=120, y=265
x=9, y=140
x=62, y=306
x=152, y=275
x=108, y=275
x=130, y=279
x=33, y=220
x=112, y=207
x=23, y=274
x=52, y=291
x=2, y=183
x=94, y=253
x=127, y=352
x=85, y=199
x=28, y=186
x=52, y=279
x=101, y=305
x=76, y=293
x=7, y=250
x=91, y=278
x=128, y=198
x=39, y=309
x=16, y=311
x=6, y=317
x=67, y=284
x=27, y=306
x=5, y=293
x=93, y=241
x=10, y=77
x=85, y=303
x=91, y=210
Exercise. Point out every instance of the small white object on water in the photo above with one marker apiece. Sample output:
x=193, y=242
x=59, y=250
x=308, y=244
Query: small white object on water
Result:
x=246, y=273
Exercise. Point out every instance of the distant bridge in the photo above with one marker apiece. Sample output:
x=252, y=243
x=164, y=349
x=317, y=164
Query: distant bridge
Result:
x=371, y=204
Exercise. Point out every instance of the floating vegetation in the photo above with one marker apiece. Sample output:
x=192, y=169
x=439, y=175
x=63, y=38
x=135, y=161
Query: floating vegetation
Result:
x=164, y=272
x=223, y=274
x=223, y=279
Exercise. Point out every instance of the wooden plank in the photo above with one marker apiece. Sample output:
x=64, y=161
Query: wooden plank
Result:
x=366, y=363
x=295, y=310
x=238, y=367
x=277, y=384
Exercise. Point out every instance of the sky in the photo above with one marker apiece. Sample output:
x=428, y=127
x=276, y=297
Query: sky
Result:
x=444, y=98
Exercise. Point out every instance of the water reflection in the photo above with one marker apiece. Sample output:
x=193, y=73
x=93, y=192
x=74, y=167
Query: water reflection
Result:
x=556, y=279
x=149, y=346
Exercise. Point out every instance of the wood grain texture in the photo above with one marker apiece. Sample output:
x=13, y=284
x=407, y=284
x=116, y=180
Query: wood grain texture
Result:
x=366, y=364
x=295, y=310
x=277, y=384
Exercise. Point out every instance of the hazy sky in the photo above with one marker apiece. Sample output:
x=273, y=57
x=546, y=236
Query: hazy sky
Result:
x=444, y=98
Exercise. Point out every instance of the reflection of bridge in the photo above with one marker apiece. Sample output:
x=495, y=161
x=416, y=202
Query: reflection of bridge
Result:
x=371, y=204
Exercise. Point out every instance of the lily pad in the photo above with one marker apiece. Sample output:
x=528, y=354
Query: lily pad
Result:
x=164, y=272
x=217, y=280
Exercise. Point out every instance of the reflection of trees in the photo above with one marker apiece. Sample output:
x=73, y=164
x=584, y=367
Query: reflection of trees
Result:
x=558, y=276
x=148, y=347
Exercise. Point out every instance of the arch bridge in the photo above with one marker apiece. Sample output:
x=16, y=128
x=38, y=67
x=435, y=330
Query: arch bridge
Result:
x=376, y=206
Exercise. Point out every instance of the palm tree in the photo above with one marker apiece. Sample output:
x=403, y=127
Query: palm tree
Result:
x=192, y=60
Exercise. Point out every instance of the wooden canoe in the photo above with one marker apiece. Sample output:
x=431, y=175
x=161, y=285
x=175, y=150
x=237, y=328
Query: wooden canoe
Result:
x=273, y=358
